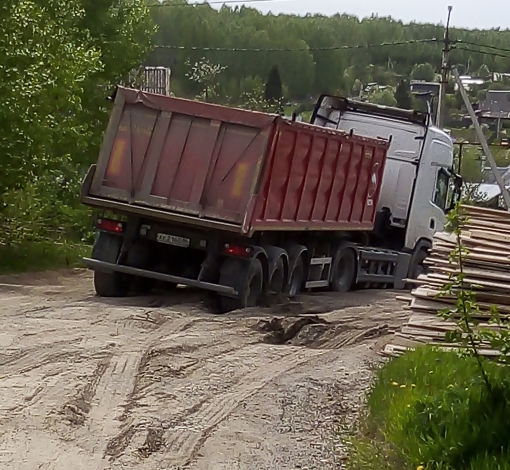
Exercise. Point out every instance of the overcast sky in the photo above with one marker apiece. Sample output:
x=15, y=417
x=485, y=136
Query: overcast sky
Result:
x=466, y=13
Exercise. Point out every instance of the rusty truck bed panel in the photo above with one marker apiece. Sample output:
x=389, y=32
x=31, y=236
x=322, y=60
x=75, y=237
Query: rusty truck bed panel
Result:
x=320, y=180
x=182, y=156
x=254, y=171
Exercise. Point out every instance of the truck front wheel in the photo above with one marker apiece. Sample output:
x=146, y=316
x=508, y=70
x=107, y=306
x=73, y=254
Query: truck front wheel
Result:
x=250, y=288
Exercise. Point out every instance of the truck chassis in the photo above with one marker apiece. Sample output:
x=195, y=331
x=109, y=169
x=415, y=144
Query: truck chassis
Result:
x=131, y=255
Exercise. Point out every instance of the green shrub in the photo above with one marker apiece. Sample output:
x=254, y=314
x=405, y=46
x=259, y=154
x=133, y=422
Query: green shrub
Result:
x=41, y=255
x=432, y=409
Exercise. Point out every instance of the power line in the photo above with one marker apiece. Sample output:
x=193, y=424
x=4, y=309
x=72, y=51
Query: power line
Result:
x=487, y=46
x=311, y=49
x=494, y=54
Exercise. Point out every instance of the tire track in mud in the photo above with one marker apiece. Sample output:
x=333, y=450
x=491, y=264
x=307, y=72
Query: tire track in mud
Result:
x=99, y=408
x=183, y=444
x=24, y=361
x=192, y=427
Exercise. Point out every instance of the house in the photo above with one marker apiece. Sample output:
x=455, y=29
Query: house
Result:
x=428, y=88
x=496, y=105
x=484, y=194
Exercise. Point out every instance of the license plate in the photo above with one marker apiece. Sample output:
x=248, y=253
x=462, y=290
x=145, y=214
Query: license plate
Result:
x=173, y=240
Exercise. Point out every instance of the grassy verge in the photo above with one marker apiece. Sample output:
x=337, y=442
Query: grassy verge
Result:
x=39, y=256
x=431, y=410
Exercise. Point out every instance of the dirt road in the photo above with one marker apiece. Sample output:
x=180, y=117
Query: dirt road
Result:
x=153, y=383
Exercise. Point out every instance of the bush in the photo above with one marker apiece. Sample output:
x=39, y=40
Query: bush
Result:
x=38, y=256
x=432, y=409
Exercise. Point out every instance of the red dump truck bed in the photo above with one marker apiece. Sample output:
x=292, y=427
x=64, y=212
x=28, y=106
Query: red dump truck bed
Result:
x=231, y=169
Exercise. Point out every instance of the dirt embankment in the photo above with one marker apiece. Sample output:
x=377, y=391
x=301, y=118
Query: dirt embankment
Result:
x=161, y=383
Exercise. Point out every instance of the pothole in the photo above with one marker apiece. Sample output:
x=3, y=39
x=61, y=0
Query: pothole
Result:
x=315, y=332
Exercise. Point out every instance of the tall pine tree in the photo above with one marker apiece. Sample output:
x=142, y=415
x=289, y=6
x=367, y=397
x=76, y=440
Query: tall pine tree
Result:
x=273, y=91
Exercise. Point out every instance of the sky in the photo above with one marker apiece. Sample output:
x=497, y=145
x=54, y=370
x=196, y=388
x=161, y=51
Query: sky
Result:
x=480, y=14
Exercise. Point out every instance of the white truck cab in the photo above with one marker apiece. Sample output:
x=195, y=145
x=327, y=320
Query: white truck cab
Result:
x=416, y=188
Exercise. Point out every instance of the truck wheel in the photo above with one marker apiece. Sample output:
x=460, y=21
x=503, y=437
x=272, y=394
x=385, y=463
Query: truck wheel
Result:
x=417, y=268
x=252, y=285
x=277, y=282
x=110, y=284
x=296, y=279
x=138, y=257
x=114, y=284
x=344, y=271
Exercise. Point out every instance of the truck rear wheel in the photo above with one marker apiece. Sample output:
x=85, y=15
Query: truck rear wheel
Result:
x=296, y=278
x=109, y=284
x=252, y=285
x=277, y=282
x=344, y=271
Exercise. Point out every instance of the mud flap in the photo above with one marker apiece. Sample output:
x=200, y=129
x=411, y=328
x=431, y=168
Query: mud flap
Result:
x=234, y=273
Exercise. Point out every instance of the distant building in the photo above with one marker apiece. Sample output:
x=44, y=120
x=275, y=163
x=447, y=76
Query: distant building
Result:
x=471, y=83
x=156, y=80
x=150, y=79
x=504, y=172
x=428, y=88
x=496, y=105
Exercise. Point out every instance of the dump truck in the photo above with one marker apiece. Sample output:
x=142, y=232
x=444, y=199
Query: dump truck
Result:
x=240, y=203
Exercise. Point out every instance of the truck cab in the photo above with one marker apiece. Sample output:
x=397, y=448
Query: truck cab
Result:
x=416, y=188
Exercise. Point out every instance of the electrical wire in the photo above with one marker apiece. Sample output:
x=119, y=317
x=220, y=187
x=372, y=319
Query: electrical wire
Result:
x=310, y=49
x=487, y=46
x=494, y=54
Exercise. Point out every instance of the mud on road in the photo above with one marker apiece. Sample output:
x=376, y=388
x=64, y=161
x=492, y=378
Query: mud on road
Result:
x=161, y=383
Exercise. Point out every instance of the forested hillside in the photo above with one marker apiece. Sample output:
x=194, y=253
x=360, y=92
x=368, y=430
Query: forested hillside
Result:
x=314, y=53
x=59, y=60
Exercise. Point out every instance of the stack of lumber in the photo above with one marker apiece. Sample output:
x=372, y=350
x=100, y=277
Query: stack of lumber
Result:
x=486, y=267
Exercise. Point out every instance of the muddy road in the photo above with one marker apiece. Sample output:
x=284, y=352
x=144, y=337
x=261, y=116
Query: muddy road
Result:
x=161, y=383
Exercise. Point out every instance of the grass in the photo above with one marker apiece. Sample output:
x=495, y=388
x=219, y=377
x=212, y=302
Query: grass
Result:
x=40, y=256
x=431, y=410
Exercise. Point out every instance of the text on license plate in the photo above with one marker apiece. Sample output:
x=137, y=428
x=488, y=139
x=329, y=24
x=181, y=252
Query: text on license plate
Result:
x=173, y=240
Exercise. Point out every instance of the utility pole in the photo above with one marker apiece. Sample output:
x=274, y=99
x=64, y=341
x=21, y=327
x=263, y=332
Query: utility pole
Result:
x=445, y=68
x=482, y=139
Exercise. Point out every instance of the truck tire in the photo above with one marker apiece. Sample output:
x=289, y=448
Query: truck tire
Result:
x=277, y=281
x=417, y=266
x=344, y=270
x=109, y=284
x=296, y=279
x=138, y=257
x=251, y=287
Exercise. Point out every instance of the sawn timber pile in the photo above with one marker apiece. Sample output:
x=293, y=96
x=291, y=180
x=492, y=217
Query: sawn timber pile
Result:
x=486, y=267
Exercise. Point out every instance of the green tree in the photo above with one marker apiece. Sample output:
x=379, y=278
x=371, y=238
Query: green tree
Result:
x=423, y=72
x=403, y=95
x=273, y=90
x=205, y=74
x=383, y=97
x=43, y=73
x=59, y=59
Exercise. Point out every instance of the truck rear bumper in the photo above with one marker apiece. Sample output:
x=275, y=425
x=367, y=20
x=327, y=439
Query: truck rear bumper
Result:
x=103, y=266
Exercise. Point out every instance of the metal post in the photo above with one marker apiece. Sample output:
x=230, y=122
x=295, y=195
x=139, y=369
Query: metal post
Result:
x=482, y=139
x=445, y=68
